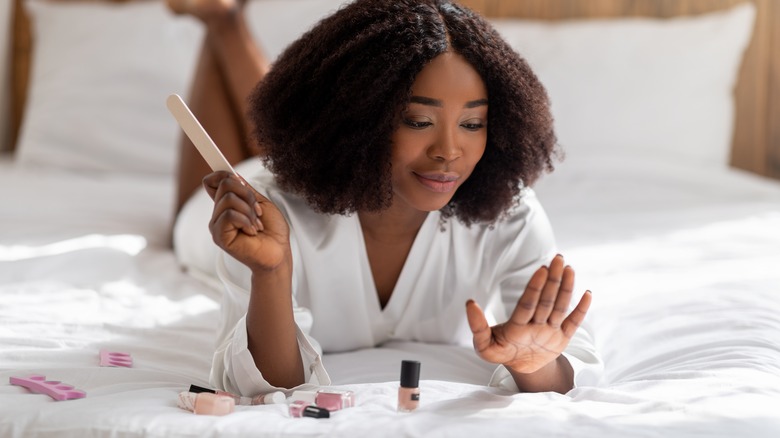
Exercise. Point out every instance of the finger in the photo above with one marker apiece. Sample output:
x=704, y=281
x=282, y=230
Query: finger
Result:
x=563, y=299
x=231, y=207
x=227, y=222
x=259, y=212
x=573, y=321
x=526, y=305
x=261, y=200
x=212, y=180
x=550, y=291
x=479, y=326
x=247, y=194
x=235, y=185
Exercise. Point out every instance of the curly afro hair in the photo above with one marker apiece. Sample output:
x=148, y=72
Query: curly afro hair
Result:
x=326, y=111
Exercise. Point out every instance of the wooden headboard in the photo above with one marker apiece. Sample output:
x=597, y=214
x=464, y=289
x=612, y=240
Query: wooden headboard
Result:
x=756, y=141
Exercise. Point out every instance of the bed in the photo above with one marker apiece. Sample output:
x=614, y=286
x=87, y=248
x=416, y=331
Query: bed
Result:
x=664, y=204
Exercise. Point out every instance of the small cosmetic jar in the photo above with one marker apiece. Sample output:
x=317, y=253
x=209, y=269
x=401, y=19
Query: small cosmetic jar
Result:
x=206, y=403
x=335, y=400
x=329, y=399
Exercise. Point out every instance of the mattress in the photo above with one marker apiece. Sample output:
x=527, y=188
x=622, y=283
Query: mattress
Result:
x=682, y=262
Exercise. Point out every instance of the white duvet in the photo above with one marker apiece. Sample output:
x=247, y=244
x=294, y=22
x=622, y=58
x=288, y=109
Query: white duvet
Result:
x=684, y=265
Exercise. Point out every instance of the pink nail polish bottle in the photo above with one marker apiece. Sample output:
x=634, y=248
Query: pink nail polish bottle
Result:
x=409, y=391
x=329, y=399
x=335, y=400
x=206, y=403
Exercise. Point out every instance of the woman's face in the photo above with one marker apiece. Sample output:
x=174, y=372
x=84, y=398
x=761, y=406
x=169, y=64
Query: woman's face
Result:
x=442, y=134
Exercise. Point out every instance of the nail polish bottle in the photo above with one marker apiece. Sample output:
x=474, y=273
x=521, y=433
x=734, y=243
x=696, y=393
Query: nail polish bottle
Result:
x=206, y=403
x=300, y=408
x=276, y=397
x=331, y=400
x=335, y=400
x=409, y=391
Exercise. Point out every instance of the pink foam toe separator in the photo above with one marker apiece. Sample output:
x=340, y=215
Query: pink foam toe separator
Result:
x=57, y=390
x=115, y=359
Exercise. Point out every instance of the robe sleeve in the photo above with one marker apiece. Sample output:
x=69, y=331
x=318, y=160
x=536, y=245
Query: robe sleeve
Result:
x=233, y=368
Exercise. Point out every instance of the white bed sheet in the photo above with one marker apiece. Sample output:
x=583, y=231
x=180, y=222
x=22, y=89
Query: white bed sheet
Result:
x=683, y=264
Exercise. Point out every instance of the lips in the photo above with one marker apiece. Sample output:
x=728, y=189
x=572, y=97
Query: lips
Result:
x=438, y=182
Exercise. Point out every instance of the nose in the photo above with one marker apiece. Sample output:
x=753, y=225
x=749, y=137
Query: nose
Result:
x=445, y=146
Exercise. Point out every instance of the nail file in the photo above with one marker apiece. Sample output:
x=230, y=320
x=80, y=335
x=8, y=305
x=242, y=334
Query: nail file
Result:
x=199, y=137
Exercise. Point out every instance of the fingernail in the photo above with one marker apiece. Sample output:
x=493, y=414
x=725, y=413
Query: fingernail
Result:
x=259, y=223
x=258, y=209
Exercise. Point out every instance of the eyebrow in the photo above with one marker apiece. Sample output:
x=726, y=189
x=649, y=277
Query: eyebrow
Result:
x=438, y=103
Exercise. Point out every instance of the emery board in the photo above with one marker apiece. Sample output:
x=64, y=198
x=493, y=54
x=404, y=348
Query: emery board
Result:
x=199, y=137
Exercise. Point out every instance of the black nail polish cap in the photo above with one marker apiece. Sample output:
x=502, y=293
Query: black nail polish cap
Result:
x=198, y=389
x=315, y=412
x=410, y=374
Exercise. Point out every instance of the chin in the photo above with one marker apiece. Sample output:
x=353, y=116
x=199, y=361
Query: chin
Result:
x=432, y=204
x=424, y=200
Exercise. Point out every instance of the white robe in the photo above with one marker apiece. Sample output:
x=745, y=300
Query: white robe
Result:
x=336, y=307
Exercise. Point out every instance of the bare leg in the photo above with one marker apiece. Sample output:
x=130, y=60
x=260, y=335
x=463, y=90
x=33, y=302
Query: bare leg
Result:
x=242, y=63
x=210, y=103
x=229, y=66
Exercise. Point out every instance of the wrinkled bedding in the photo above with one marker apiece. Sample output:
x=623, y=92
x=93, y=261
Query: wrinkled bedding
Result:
x=683, y=264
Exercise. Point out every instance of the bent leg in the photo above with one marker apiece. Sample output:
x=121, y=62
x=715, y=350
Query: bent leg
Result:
x=241, y=61
x=229, y=66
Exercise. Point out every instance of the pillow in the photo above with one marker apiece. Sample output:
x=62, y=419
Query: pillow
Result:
x=101, y=72
x=640, y=87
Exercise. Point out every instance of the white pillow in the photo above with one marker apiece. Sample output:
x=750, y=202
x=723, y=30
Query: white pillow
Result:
x=101, y=72
x=643, y=88
x=100, y=75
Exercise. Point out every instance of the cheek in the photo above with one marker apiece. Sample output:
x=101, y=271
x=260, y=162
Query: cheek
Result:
x=475, y=148
x=406, y=148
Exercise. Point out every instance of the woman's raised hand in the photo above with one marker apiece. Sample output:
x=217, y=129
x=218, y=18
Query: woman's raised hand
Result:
x=539, y=329
x=246, y=224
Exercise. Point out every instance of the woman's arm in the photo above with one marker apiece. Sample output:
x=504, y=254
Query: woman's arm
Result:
x=248, y=227
x=557, y=376
x=271, y=328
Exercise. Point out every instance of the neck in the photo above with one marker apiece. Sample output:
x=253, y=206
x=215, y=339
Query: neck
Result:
x=391, y=224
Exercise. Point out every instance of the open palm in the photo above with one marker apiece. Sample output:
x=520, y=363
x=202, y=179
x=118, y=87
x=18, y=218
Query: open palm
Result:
x=539, y=329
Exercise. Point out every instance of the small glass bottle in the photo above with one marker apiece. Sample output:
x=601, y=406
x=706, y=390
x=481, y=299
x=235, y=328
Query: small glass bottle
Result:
x=409, y=391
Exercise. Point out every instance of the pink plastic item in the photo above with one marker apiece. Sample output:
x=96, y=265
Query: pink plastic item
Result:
x=57, y=390
x=115, y=359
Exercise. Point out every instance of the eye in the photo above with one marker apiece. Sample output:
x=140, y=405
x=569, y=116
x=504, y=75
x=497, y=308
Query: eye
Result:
x=473, y=126
x=417, y=124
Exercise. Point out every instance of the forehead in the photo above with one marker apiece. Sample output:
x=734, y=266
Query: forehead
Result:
x=449, y=77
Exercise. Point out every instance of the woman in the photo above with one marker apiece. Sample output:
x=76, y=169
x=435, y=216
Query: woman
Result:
x=400, y=140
